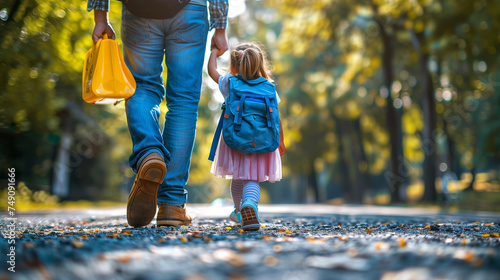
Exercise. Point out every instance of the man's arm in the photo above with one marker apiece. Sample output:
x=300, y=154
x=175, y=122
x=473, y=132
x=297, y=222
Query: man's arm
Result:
x=218, y=20
x=102, y=25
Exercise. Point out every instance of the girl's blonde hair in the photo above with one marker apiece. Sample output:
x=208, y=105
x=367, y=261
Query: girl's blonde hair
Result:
x=250, y=61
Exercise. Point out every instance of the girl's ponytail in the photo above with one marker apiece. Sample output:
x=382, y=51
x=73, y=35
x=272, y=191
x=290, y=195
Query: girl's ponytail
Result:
x=250, y=61
x=250, y=64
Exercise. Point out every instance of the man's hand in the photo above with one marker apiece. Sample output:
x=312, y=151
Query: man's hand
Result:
x=219, y=41
x=102, y=26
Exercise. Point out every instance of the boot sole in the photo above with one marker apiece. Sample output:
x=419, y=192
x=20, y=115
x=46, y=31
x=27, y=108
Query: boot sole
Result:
x=172, y=223
x=249, y=219
x=139, y=201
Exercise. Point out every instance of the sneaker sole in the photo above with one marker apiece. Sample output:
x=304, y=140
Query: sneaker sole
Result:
x=139, y=202
x=249, y=219
x=234, y=220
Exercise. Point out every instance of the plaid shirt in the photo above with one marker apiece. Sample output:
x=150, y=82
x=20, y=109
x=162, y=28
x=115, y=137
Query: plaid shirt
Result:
x=218, y=11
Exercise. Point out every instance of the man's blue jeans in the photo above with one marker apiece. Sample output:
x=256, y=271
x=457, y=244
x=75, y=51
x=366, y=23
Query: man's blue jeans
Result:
x=181, y=40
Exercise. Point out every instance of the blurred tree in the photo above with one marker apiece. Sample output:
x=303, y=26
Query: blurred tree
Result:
x=418, y=34
x=42, y=48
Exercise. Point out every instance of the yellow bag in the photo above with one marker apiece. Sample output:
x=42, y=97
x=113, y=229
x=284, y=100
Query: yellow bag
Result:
x=106, y=78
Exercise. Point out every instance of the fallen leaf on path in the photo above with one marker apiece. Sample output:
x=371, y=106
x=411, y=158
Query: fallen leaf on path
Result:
x=402, y=242
x=409, y=273
x=77, y=243
x=463, y=255
x=277, y=248
x=270, y=261
x=195, y=277
x=229, y=256
x=283, y=239
x=338, y=261
x=382, y=246
x=124, y=259
x=476, y=262
x=236, y=277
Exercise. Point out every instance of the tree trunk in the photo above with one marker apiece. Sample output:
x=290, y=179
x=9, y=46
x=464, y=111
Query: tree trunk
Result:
x=470, y=187
x=343, y=164
x=313, y=183
x=364, y=179
x=394, y=175
x=357, y=186
x=428, y=108
x=451, y=159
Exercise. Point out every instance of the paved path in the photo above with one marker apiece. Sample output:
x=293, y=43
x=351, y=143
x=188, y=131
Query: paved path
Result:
x=296, y=242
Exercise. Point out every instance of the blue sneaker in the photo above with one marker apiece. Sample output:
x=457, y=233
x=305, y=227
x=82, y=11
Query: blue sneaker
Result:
x=249, y=216
x=235, y=217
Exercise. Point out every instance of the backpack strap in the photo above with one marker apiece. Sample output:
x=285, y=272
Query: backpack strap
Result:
x=269, y=111
x=239, y=114
x=217, y=134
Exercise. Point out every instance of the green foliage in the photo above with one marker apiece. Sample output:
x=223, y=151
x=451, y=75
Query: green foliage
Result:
x=42, y=49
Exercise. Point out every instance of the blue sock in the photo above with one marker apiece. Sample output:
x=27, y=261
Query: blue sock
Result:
x=237, y=192
x=251, y=190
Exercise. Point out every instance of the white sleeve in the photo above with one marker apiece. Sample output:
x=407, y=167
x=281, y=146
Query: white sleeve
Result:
x=224, y=84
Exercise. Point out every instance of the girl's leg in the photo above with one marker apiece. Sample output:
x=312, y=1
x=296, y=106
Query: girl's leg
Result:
x=249, y=209
x=237, y=193
x=251, y=191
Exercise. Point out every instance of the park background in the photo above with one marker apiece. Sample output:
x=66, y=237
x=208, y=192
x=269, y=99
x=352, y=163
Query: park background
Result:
x=383, y=102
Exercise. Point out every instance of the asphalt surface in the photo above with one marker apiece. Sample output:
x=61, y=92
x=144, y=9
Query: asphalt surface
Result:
x=295, y=242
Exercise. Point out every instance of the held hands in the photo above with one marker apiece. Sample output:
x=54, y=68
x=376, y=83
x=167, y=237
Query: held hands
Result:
x=102, y=26
x=219, y=42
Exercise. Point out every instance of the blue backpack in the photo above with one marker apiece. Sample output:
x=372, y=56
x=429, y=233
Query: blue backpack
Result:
x=250, y=119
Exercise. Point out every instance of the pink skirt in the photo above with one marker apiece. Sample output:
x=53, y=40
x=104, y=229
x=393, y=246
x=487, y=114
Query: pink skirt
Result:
x=233, y=164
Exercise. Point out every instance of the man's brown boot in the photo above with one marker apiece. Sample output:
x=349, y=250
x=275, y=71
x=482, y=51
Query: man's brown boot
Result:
x=141, y=205
x=170, y=215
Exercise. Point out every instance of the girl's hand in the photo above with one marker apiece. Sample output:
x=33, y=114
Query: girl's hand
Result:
x=219, y=41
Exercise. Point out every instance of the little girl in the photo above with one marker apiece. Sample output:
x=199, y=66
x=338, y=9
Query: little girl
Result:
x=245, y=170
